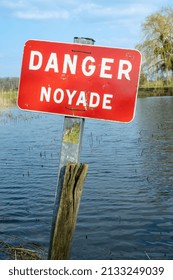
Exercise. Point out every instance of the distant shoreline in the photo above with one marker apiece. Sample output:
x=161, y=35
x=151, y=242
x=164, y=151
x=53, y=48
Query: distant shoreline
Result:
x=8, y=98
x=155, y=91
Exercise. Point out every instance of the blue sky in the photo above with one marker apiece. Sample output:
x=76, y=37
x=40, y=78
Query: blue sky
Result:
x=109, y=23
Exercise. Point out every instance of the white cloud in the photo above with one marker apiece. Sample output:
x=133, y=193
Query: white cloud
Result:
x=58, y=9
x=114, y=10
x=37, y=9
x=40, y=15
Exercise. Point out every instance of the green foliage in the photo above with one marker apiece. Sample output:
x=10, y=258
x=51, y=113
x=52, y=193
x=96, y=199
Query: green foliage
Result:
x=155, y=88
x=143, y=79
x=157, y=45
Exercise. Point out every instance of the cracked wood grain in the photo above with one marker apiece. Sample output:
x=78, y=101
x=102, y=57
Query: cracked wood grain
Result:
x=73, y=182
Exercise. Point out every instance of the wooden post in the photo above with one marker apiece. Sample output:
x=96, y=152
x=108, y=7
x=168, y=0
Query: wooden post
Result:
x=70, y=152
x=74, y=178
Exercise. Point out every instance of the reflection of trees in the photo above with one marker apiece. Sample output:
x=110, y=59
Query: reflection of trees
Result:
x=157, y=44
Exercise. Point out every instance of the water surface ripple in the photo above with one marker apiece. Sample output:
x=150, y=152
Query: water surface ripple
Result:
x=127, y=203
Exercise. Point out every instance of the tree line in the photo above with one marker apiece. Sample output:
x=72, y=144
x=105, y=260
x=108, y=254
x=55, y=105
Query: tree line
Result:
x=156, y=46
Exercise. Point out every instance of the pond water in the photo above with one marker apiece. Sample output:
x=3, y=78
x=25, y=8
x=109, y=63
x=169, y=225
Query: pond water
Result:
x=127, y=202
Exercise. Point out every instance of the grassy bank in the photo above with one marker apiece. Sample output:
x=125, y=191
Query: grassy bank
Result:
x=7, y=98
x=155, y=88
x=155, y=91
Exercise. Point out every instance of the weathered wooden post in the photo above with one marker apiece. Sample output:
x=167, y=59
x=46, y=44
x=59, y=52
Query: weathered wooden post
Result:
x=65, y=223
x=71, y=176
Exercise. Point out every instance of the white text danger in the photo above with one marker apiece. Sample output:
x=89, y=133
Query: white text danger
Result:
x=89, y=65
